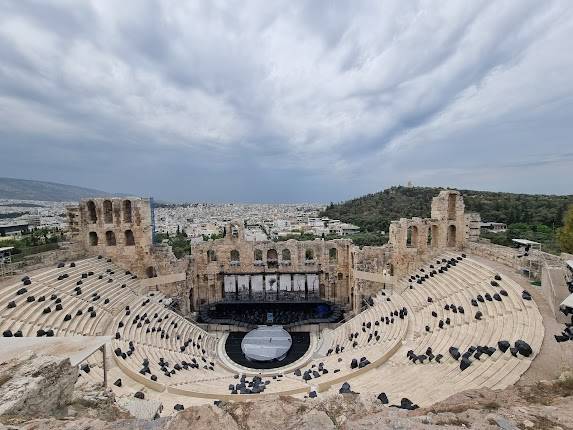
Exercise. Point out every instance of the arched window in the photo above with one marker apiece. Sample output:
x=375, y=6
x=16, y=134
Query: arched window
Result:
x=234, y=231
x=309, y=254
x=272, y=255
x=110, y=238
x=412, y=237
x=93, y=238
x=285, y=254
x=127, y=211
x=211, y=256
x=92, y=216
x=235, y=256
x=258, y=255
x=107, y=212
x=435, y=232
x=452, y=206
x=452, y=236
x=333, y=255
x=129, y=239
x=272, y=258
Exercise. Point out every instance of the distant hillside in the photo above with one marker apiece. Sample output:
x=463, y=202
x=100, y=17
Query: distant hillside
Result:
x=373, y=212
x=22, y=189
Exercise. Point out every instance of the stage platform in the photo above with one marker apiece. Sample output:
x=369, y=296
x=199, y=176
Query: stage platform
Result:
x=299, y=346
x=266, y=343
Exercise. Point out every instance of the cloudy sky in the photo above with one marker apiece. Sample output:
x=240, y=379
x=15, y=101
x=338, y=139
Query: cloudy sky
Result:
x=287, y=100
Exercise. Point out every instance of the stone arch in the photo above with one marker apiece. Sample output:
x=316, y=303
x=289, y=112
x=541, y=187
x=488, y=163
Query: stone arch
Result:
x=258, y=255
x=309, y=254
x=211, y=256
x=452, y=200
x=435, y=232
x=333, y=255
x=150, y=272
x=272, y=255
x=129, y=238
x=92, y=214
x=235, y=255
x=272, y=258
x=110, y=238
x=127, y=211
x=451, y=235
x=412, y=236
x=93, y=238
x=107, y=212
x=234, y=231
x=285, y=254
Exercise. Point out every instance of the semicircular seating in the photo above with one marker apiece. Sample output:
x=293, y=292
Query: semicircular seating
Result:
x=400, y=344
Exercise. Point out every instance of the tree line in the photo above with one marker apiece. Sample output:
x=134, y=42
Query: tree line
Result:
x=531, y=216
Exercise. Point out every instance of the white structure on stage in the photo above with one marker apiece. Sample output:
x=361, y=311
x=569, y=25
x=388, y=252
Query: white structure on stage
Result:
x=266, y=343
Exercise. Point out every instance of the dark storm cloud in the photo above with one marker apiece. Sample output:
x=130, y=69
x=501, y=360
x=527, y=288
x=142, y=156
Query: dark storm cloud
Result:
x=283, y=101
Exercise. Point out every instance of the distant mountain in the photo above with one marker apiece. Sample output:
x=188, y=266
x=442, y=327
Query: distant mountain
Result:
x=23, y=189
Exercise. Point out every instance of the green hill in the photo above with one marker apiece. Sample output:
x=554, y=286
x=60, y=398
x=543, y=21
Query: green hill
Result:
x=531, y=216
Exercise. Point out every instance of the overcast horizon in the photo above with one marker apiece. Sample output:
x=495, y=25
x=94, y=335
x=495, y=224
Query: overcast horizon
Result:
x=287, y=102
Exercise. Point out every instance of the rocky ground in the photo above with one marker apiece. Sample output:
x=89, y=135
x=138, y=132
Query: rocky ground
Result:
x=544, y=405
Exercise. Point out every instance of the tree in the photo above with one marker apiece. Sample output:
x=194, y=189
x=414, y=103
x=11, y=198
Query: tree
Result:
x=565, y=234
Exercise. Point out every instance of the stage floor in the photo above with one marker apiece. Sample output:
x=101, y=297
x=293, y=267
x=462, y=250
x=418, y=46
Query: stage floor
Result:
x=266, y=343
x=300, y=344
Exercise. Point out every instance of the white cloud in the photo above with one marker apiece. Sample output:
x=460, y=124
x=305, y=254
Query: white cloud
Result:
x=350, y=90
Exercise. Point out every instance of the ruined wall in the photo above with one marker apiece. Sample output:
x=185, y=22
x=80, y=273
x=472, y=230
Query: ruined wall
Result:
x=473, y=226
x=119, y=228
x=413, y=241
x=164, y=263
x=73, y=219
x=234, y=255
x=373, y=259
x=498, y=253
x=446, y=228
